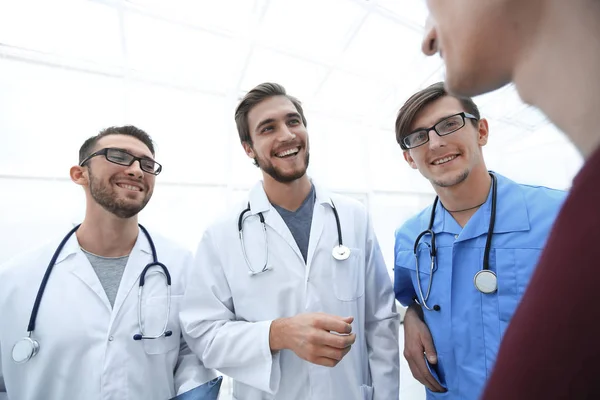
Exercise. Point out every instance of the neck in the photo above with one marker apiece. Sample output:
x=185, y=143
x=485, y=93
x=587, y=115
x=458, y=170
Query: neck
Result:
x=557, y=71
x=289, y=195
x=464, y=199
x=107, y=235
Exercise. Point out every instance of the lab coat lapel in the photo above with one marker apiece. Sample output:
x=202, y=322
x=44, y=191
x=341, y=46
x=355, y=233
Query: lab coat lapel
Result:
x=260, y=203
x=140, y=256
x=81, y=268
x=320, y=214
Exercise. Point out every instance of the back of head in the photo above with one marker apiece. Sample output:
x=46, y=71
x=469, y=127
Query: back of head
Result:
x=128, y=130
x=418, y=101
x=255, y=96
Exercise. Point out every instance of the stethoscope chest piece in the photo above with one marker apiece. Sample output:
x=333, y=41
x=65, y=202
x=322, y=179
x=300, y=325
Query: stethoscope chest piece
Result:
x=486, y=281
x=24, y=350
x=340, y=252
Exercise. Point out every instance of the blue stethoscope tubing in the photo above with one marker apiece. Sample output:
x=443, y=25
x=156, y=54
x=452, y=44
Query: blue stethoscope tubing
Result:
x=27, y=347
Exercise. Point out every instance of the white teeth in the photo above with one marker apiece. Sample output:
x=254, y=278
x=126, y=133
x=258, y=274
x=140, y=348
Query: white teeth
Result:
x=130, y=187
x=288, y=152
x=444, y=160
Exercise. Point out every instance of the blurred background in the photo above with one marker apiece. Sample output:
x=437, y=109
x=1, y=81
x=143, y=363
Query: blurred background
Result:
x=176, y=69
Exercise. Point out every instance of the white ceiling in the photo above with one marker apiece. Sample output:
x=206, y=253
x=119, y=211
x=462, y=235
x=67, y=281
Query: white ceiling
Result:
x=177, y=68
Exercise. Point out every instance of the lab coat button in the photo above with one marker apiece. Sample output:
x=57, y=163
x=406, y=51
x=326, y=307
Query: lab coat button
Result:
x=455, y=236
x=111, y=338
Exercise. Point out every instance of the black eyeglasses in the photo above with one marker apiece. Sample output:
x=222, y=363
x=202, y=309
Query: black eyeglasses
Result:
x=445, y=127
x=121, y=157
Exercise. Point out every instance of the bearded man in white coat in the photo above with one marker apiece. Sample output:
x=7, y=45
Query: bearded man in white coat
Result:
x=89, y=315
x=290, y=295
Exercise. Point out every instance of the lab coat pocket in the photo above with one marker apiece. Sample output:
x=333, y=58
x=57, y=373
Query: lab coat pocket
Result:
x=349, y=276
x=154, y=315
x=366, y=392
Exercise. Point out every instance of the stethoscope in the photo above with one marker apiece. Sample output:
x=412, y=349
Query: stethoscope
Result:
x=484, y=280
x=339, y=252
x=27, y=347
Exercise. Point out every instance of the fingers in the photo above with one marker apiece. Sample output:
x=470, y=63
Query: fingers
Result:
x=429, y=348
x=420, y=372
x=333, y=323
x=418, y=344
x=327, y=356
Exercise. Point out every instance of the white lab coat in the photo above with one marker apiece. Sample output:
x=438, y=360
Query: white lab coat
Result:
x=87, y=349
x=226, y=313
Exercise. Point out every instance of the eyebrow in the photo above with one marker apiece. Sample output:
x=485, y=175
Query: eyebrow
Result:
x=271, y=120
x=436, y=122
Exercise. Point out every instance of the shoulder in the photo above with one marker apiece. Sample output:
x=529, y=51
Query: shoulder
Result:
x=225, y=226
x=23, y=264
x=542, y=195
x=348, y=203
x=541, y=202
x=537, y=194
x=413, y=225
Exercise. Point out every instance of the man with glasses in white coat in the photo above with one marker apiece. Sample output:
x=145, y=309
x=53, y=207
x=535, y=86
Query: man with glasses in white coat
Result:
x=96, y=334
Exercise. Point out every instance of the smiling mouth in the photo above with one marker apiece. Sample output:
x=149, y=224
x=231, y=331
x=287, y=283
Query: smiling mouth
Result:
x=288, y=153
x=129, y=187
x=444, y=160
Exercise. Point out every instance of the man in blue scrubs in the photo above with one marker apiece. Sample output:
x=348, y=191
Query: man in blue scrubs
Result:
x=458, y=327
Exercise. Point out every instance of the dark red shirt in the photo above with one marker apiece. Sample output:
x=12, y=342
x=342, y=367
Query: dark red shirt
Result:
x=551, y=349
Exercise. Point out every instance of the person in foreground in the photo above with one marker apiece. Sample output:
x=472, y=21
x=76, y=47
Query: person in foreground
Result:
x=550, y=49
x=71, y=326
x=290, y=295
x=463, y=263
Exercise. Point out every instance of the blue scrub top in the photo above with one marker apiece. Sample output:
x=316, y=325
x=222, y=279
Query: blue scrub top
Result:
x=469, y=326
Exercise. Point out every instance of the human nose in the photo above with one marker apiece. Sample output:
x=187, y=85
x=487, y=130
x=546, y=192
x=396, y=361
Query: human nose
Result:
x=287, y=134
x=429, y=45
x=135, y=169
x=435, y=140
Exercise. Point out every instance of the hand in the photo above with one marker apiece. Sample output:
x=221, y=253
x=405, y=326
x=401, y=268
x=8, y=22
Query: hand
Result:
x=318, y=338
x=417, y=340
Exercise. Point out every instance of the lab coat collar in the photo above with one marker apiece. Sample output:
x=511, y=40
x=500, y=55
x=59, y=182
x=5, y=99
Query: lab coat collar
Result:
x=259, y=202
x=72, y=247
x=511, y=214
x=138, y=258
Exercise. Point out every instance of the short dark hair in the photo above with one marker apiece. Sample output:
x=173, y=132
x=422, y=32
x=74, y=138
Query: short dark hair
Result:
x=255, y=96
x=129, y=130
x=419, y=101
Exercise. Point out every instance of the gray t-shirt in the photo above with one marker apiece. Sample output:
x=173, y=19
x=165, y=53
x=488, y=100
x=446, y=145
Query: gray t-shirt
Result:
x=299, y=221
x=109, y=271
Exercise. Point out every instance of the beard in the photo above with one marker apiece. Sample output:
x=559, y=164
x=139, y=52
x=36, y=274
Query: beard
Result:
x=106, y=196
x=452, y=181
x=279, y=176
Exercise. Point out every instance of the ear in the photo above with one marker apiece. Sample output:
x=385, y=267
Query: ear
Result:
x=79, y=175
x=249, y=150
x=409, y=159
x=483, y=131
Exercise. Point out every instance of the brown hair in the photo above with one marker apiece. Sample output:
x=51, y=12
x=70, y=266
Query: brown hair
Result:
x=419, y=101
x=255, y=96
x=128, y=130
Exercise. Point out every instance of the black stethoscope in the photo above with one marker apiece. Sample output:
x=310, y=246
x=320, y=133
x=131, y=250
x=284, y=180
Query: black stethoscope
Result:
x=339, y=252
x=27, y=347
x=485, y=280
